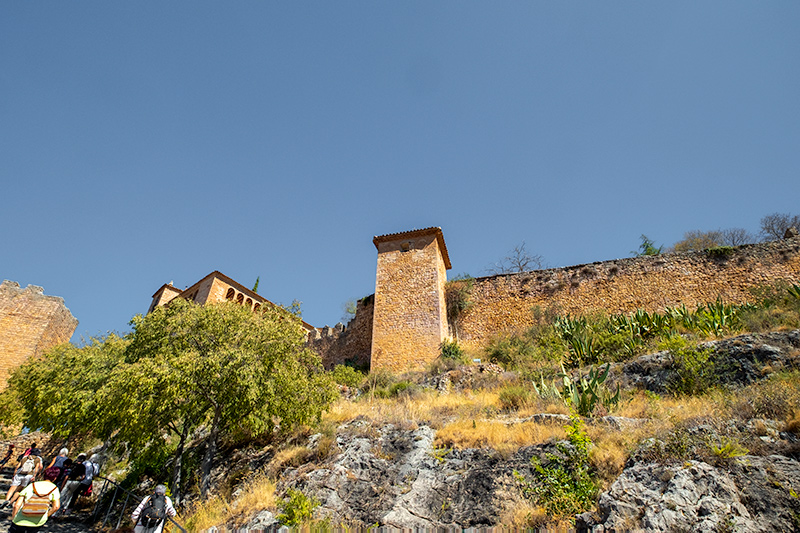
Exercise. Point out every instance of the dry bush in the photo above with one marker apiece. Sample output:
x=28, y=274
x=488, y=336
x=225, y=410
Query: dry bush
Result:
x=522, y=515
x=259, y=494
x=793, y=422
x=505, y=438
x=612, y=447
x=205, y=514
x=293, y=456
x=775, y=398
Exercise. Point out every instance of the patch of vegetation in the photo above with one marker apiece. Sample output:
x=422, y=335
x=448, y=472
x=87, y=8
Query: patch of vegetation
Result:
x=588, y=392
x=728, y=448
x=778, y=306
x=348, y=376
x=720, y=252
x=693, y=366
x=515, y=397
x=564, y=485
x=458, y=298
x=297, y=508
x=647, y=247
x=451, y=350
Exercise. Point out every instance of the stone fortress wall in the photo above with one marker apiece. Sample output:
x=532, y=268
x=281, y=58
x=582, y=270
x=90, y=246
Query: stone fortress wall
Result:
x=30, y=324
x=506, y=303
x=350, y=344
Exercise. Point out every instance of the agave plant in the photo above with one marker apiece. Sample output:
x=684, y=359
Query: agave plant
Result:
x=585, y=393
x=794, y=291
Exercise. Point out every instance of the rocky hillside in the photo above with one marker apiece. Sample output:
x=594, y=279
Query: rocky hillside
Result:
x=722, y=461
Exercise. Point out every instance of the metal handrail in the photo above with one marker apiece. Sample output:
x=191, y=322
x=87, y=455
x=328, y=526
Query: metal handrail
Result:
x=128, y=496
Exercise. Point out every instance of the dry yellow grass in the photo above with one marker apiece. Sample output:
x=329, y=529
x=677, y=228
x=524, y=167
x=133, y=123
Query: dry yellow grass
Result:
x=793, y=423
x=259, y=494
x=428, y=407
x=293, y=456
x=495, y=434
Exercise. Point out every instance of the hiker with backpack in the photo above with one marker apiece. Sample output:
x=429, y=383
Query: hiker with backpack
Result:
x=36, y=503
x=152, y=512
x=73, y=484
x=58, y=460
x=27, y=469
x=91, y=469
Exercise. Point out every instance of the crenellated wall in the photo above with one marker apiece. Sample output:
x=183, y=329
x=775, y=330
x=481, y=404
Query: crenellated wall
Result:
x=505, y=303
x=30, y=323
x=349, y=344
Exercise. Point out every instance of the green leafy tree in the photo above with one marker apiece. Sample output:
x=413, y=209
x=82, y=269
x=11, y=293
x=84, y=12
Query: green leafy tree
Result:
x=647, y=247
x=235, y=371
x=57, y=393
x=349, y=309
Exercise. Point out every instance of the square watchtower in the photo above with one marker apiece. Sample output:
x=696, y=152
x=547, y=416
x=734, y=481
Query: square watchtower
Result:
x=410, y=317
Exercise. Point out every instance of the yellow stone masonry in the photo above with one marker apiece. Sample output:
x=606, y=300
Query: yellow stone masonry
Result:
x=30, y=324
x=505, y=303
x=410, y=318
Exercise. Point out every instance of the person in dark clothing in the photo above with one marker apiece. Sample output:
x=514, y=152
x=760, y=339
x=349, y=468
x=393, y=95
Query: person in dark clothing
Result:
x=76, y=475
x=8, y=455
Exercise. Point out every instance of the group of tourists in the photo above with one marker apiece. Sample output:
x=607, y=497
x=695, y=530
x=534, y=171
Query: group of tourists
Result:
x=38, y=493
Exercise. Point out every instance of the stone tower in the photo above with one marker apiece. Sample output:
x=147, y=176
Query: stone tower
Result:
x=410, y=317
x=30, y=324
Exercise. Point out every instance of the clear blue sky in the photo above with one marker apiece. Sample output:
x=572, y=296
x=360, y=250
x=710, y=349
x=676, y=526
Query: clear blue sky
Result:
x=144, y=142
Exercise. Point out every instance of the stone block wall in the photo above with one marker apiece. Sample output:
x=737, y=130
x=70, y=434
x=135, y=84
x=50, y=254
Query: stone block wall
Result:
x=349, y=344
x=30, y=324
x=504, y=303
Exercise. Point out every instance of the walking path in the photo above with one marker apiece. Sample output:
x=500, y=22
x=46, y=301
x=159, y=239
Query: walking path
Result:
x=71, y=524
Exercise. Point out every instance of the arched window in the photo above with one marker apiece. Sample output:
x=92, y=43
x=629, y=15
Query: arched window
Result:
x=257, y=307
x=230, y=294
x=249, y=303
x=240, y=298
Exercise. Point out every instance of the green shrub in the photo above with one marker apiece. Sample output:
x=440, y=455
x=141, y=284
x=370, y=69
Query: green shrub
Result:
x=538, y=350
x=693, y=366
x=347, y=376
x=720, y=252
x=441, y=365
x=509, y=351
x=515, y=397
x=297, y=508
x=451, y=350
x=728, y=448
x=378, y=379
x=399, y=388
x=564, y=486
x=458, y=298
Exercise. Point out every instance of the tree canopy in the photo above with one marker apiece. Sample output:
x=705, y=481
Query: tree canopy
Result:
x=222, y=367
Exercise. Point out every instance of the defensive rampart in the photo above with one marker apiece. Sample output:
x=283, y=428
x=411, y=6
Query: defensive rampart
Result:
x=506, y=302
x=349, y=344
x=30, y=323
